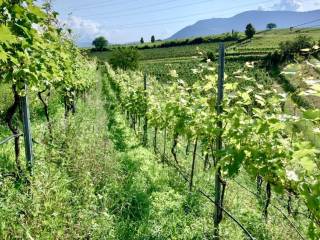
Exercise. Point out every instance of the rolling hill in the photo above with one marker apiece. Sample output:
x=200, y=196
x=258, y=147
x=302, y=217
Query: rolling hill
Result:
x=259, y=19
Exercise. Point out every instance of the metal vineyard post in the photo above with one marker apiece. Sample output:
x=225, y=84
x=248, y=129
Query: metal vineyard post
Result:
x=219, y=109
x=27, y=130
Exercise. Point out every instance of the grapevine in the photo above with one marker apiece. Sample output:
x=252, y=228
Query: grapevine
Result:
x=36, y=52
x=258, y=137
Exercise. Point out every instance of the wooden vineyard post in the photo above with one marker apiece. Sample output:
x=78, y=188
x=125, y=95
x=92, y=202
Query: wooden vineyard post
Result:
x=145, y=126
x=27, y=130
x=219, y=188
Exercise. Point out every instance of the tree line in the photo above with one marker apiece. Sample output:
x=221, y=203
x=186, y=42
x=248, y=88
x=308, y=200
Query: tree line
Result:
x=101, y=43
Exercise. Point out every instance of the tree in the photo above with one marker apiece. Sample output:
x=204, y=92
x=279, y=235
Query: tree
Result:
x=153, y=39
x=271, y=26
x=142, y=40
x=250, y=31
x=100, y=43
x=125, y=58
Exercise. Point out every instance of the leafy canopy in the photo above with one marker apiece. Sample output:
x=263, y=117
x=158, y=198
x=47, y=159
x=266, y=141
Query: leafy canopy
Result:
x=125, y=58
x=271, y=26
x=100, y=43
x=250, y=31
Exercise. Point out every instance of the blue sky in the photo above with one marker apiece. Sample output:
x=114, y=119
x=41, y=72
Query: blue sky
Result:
x=122, y=21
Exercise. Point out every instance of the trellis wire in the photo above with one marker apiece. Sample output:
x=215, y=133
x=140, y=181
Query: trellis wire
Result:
x=245, y=188
x=206, y=196
x=10, y=138
x=290, y=222
x=276, y=207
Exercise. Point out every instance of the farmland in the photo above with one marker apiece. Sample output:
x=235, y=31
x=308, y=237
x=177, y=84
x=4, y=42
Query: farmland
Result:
x=163, y=53
x=170, y=105
x=200, y=141
x=261, y=44
x=159, y=61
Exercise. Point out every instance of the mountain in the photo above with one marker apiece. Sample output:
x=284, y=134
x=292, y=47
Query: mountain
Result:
x=259, y=19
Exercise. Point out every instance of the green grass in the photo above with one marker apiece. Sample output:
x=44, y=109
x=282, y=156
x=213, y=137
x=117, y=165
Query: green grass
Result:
x=271, y=39
x=63, y=200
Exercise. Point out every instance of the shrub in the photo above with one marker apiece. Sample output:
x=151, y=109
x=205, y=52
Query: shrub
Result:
x=290, y=48
x=209, y=56
x=197, y=40
x=295, y=46
x=125, y=58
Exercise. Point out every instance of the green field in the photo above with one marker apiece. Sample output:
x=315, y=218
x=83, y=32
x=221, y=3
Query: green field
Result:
x=162, y=53
x=261, y=44
x=272, y=39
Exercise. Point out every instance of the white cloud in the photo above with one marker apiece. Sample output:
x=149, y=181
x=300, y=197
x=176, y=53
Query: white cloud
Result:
x=85, y=30
x=288, y=5
x=310, y=5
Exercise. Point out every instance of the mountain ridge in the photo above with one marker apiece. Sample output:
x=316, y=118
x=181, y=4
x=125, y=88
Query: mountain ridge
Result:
x=283, y=19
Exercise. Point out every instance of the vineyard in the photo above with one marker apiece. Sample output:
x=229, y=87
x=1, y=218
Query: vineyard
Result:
x=184, y=127
x=208, y=141
x=261, y=44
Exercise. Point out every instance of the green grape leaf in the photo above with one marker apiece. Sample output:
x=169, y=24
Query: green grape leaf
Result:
x=14, y=60
x=305, y=158
x=312, y=114
x=308, y=164
x=260, y=100
x=3, y=55
x=37, y=11
x=246, y=97
x=24, y=29
x=277, y=126
x=6, y=35
x=18, y=10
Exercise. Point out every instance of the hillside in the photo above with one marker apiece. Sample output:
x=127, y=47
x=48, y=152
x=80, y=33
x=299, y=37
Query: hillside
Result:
x=261, y=43
x=283, y=19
